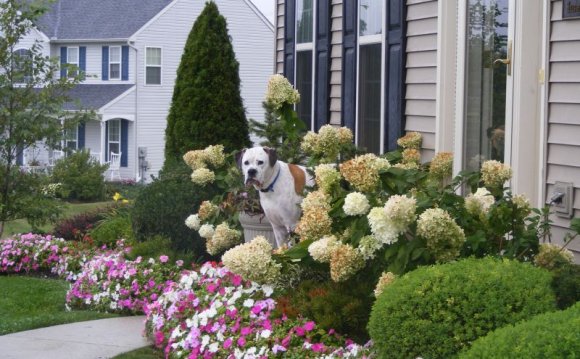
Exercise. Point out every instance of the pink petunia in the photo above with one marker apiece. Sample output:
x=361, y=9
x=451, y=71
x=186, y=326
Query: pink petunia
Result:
x=309, y=326
x=228, y=343
x=163, y=259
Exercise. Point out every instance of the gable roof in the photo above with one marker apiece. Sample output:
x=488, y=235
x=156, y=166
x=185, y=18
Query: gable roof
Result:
x=94, y=96
x=102, y=19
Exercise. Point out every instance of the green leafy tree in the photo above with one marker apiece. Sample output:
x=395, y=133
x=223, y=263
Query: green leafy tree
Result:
x=207, y=107
x=31, y=110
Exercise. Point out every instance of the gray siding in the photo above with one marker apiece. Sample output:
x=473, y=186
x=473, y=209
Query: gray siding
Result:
x=279, y=37
x=563, y=147
x=420, y=92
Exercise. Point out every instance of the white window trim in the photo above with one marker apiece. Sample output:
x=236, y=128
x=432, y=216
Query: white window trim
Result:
x=77, y=63
x=452, y=37
x=76, y=139
x=109, y=141
x=30, y=53
x=114, y=63
x=146, y=66
x=368, y=40
x=308, y=46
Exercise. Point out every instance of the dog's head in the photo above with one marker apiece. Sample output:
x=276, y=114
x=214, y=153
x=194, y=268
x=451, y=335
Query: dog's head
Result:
x=257, y=164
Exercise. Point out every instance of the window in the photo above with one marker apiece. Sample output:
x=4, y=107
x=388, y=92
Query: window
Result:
x=72, y=59
x=153, y=66
x=71, y=138
x=370, y=49
x=22, y=66
x=115, y=63
x=305, y=59
x=114, y=137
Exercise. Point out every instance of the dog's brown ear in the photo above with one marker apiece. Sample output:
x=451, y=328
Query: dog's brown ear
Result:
x=239, y=157
x=272, y=155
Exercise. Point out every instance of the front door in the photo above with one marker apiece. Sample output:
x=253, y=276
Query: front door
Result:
x=501, y=109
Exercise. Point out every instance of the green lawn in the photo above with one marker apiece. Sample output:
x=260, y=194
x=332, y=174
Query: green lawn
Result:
x=22, y=226
x=143, y=353
x=29, y=303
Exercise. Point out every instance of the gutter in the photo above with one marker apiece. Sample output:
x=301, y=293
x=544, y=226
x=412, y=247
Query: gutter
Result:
x=76, y=41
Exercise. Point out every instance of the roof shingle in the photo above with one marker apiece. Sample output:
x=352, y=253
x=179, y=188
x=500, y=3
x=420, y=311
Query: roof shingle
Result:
x=102, y=19
x=94, y=96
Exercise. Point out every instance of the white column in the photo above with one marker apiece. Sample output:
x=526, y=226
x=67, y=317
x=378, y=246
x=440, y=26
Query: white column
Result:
x=103, y=144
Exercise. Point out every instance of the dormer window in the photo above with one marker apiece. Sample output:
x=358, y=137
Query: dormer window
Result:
x=115, y=63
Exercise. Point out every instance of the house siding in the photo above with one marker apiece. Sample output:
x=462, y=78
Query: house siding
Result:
x=421, y=66
x=252, y=40
x=94, y=59
x=563, y=140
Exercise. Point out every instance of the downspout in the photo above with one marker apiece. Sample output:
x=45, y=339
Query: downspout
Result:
x=139, y=177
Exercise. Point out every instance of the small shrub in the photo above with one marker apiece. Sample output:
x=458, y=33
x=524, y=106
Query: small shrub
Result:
x=436, y=311
x=549, y=335
x=78, y=226
x=81, y=177
x=566, y=285
x=152, y=248
x=129, y=189
x=162, y=207
x=344, y=307
x=111, y=229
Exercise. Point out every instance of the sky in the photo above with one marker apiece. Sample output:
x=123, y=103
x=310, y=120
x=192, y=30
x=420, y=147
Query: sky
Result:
x=267, y=8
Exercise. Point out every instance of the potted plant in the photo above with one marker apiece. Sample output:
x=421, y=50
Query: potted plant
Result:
x=251, y=215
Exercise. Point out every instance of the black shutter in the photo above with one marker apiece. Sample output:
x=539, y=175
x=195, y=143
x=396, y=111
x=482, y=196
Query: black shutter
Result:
x=349, y=26
x=107, y=141
x=125, y=63
x=322, y=64
x=105, y=63
x=395, y=28
x=289, y=38
x=63, y=61
x=81, y=136
x=124, y=142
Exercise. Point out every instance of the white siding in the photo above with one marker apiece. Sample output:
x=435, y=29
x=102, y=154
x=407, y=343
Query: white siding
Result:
x=252, y=41
x=122, y=105
x=563, y=160
x=30, y=39
x=94, y=60
x=93, y=136
x=420, y=92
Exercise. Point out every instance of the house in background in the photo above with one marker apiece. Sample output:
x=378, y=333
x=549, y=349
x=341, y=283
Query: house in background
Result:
x=484, y=79
x=129, y=52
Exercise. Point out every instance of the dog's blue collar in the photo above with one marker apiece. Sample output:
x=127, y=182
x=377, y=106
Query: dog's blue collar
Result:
x=270, y=188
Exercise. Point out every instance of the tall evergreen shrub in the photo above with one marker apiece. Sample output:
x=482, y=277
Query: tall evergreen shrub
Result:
x=207, y=107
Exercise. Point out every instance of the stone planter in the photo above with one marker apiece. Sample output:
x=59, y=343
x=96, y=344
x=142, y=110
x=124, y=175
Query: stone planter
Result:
x=257, y=225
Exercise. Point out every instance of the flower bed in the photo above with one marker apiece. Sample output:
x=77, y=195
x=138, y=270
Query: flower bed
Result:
x=215, y=313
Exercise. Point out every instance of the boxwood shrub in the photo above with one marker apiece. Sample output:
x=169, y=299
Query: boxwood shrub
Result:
x=549, y=335
x=435, y=312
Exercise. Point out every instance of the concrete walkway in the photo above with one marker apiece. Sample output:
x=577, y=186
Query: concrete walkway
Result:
x=96, y=339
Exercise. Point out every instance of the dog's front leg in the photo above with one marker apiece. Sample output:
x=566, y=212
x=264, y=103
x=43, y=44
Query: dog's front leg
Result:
x=281, y=234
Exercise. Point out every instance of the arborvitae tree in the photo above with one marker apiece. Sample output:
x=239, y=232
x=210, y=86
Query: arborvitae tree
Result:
x=207, y=107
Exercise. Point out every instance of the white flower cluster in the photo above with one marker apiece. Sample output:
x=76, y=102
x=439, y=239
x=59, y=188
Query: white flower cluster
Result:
x=401, y=212
x=193, y=222
x=321, y=250
x=368, y=246
x=281, y=92
x=393, y=219
x=327, y=143
x=202, y=176
x=479, y=203
x=223, y=238
x=494, y=174
x=444, y=237
x=253, y=261
x=363, y=171
x=206, y=231
x=327, y=177
x=345, y=261
x=356, y=204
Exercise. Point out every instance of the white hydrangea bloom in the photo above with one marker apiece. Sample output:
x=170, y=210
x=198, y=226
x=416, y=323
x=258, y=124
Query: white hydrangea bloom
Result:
x=356, y=204
x=400, y=211
x=193, y=222
x=368, y=246
x=206, y=231
x=381, y=226
x=321, y=250
x=253, y=261
x=202, y=176
x=479, y=202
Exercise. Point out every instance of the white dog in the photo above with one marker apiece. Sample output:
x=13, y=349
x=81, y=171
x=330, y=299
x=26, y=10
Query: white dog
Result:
x=281, y=186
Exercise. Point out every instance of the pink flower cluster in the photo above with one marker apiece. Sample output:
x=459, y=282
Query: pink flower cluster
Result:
x=213, y=313
x=31, y=252
x=111, y=283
